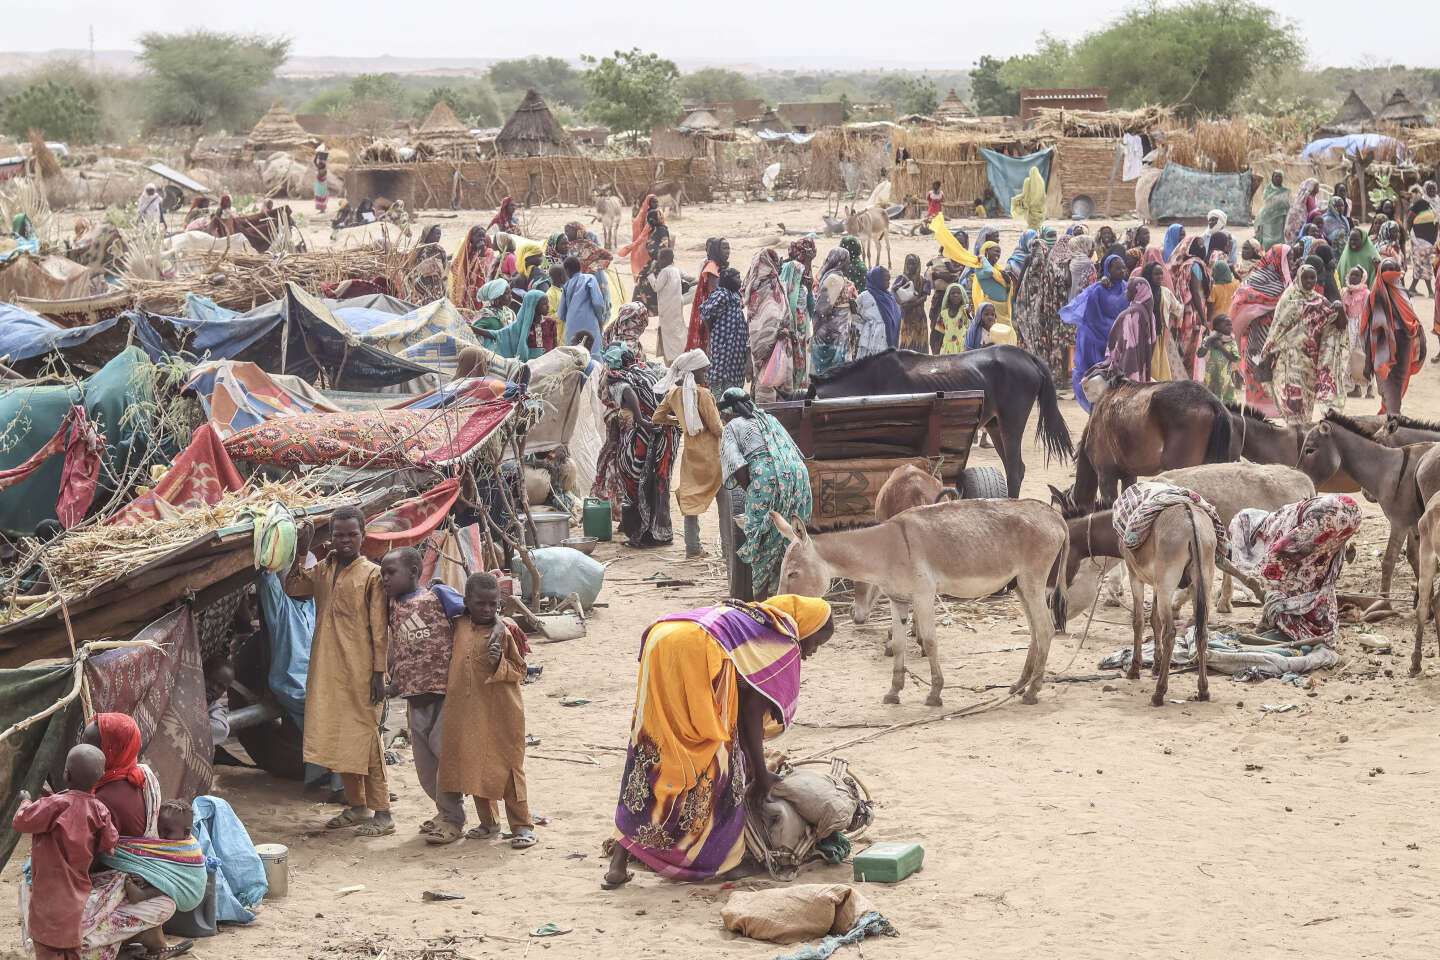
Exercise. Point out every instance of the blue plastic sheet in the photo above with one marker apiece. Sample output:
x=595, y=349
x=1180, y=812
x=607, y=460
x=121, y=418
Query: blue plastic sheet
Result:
x=1007, y=174
x=290, y=625
x=24, y=335
x=240, y=881
x=1355, y=144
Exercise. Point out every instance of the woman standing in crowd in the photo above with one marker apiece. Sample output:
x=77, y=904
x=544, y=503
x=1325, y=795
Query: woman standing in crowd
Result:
x=1306, y=350
x=911, y=291
x=717, y=259
x=1251, y=313
x=758, y=456
x=634, y=466
x=767, y=309
x=1189, y=278
x=880, y=315
x=856, y=272
x=722, y=318
x=470, y=270
x=798, y=327
x=1395, y=344
x=1424, y=222
x=1039, y=296
x=1302, y=208
x=1274, y=209
x=1093, y=314
x=690, y=406
x=834, y=302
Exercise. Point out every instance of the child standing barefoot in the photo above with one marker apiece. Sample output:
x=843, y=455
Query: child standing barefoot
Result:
x=483, y=751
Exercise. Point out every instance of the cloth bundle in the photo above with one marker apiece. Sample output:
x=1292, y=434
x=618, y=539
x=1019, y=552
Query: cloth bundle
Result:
x=1140, y=504
x=174, y=867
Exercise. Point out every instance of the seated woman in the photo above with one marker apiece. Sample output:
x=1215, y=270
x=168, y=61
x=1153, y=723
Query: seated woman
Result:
x=1299, y=550
x=709, y=681
x=118, y=911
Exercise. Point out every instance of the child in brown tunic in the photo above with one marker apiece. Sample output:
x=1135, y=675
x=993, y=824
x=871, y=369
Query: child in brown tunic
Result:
x=483, y=750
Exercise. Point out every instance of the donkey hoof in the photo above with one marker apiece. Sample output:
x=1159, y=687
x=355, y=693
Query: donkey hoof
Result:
x=1203, y=696
x=933, y=700
x=891, y=698
x=1158, y=700
x=889, y=652
x=1030, y=699
x=1133, y=673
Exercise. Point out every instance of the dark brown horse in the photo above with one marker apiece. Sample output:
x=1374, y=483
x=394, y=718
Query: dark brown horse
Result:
x=1141, y=429
x=260, y=229
x=1013, y=381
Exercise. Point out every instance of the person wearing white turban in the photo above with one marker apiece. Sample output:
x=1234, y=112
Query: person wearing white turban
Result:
x=688, y=404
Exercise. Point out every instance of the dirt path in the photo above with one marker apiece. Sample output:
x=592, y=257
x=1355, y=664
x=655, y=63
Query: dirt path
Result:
x=1090, y=825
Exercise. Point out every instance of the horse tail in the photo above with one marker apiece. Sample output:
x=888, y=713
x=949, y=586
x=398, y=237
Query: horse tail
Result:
x=1201, y=588
x=1217, y=450
x=1050, y=428
x=1057, y=593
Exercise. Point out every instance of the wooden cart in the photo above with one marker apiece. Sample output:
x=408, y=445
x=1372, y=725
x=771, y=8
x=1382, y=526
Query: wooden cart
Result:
x=852, y=444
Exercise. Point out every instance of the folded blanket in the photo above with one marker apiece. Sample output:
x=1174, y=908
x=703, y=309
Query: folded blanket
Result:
x=174, y=867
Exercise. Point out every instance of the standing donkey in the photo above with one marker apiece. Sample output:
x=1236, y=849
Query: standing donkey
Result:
x=965, y=548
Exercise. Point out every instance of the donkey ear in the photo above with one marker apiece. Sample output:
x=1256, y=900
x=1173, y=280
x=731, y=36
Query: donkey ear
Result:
x=800, y=532
x=1056, y=494
x=783, y=525
x=1323, y=428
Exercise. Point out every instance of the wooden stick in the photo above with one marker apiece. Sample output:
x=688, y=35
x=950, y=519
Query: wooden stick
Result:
x=962, y=712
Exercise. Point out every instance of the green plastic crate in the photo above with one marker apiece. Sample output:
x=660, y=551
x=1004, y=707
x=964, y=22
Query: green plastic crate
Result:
x=889, y=862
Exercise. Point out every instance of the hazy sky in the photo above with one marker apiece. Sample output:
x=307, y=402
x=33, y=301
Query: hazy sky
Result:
x=735, y=31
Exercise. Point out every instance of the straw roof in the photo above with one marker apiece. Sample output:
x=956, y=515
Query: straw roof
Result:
x=278, y=130
x=443, y=134
x=1092, y=123
x=1399, y=109
x=532, y=131
x=1354, y=110
x=952, y=106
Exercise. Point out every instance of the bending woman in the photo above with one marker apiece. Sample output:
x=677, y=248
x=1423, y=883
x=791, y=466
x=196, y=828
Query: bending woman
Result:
x=709, y=681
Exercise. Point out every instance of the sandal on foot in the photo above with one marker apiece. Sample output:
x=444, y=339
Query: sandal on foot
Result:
x=346, y=819
x=429, y=825
x=372, y=829
x=608, y=884
x=174, y=950
x=483, y=832
x=523, y=839
x=444, y=832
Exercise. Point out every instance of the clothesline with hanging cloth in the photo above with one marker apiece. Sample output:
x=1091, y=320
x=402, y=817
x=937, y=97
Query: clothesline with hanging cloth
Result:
x=376, y=439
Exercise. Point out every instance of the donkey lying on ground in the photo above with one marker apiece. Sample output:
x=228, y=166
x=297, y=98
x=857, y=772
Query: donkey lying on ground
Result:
x=968, y=548
x=1179, y=547
x=907, y=486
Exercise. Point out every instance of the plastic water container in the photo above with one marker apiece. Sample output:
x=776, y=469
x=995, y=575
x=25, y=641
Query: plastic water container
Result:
x=562, y=572
x=275, y=857
x=596, y=519
x=889, y=862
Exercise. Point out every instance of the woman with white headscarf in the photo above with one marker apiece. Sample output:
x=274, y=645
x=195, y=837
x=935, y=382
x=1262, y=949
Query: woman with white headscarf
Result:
x=150, y=208
x=689, y=405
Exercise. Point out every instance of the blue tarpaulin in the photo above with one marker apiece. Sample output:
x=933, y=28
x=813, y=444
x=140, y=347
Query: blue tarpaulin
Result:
x=240, y=881
x=1182, y=193
x=1354, y=144
x=24, y=335
x=1007, y=174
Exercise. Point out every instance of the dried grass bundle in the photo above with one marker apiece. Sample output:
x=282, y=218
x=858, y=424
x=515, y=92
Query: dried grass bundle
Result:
x=26, y=195
x=1098, y=123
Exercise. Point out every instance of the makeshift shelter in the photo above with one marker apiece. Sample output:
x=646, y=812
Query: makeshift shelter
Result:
x=1188, y=195
x=1354, y=110
x=1031, y=100
x=1399, y=110
x=533, y=131
x=699, y=120
x=809, y=117
x=443, y=135
x=277, y=130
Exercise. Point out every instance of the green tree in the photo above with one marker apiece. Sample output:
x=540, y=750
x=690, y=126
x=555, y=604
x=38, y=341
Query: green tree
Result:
x=712, y=84
x=554, y=79
x=1051, y=65
x=208, y=79
x=992, y=96
x=919, y=96
x=58, y=111
x=474, y=103
x=379, y=87
x=632, y=91
x=1200, y=54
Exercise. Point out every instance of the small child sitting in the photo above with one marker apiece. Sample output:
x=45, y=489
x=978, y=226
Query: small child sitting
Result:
x=170, y=862
x=483, y=752
x=70, y=828
x=1221, y=355
x=1355, y=298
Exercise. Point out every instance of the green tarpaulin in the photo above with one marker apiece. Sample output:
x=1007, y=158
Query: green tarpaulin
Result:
x=28, y=756
x=118, y=399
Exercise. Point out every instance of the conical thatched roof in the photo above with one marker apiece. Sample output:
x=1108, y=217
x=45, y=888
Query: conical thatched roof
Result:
x=1399, y=109
x=277, y=130
x=532, y=131
x=442, y=133
x=952, y=106
x=1354, y=110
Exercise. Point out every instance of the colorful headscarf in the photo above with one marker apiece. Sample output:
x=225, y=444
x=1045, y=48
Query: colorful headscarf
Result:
x=857, y=270
x=802, y=250
x=1173, y=234
x=876, y=286
x=120, y=742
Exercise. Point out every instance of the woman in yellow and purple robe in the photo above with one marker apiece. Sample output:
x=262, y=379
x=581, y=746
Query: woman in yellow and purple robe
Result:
x=710, y=679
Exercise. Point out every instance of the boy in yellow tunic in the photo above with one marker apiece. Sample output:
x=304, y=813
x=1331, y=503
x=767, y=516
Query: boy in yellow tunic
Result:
x=483, y=749
x=346, y=682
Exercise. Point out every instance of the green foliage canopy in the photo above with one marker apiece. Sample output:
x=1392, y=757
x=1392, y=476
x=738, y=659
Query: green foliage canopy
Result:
x=553, y=78
x=58, y=111
x=713, y=84
x=632, y=91
x=209, y=79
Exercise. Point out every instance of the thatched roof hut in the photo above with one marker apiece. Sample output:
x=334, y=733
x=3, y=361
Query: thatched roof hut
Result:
x=443, y=135
x=277, y=130
x=1399, y=109
x=952, y=107
x=1354, y=110
x=532, y=131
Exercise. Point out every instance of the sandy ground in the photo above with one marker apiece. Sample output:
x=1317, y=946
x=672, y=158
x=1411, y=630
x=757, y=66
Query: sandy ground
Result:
x=1089, y=825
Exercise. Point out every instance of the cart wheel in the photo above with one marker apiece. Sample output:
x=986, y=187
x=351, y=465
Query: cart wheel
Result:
x=174, y=197
x=984, y=483
x=732, y=504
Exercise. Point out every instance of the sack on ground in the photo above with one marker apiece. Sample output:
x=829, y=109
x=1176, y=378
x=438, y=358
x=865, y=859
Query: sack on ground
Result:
x=825, y=804
x=791, y=914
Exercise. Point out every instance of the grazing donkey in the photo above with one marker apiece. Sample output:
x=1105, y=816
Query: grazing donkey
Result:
x=907, y=486
x=967, y=548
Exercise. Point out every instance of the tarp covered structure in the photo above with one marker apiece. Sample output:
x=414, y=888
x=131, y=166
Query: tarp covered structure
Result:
x=1007, y=174
x=1355, y=144
x=1183, y=193
x=28, y=756
x=115, y=399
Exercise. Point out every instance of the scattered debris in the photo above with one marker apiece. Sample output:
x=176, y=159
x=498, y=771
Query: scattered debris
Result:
x=434, y=896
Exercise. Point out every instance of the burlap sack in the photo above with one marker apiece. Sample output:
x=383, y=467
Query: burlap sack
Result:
x=791, y=914
x=825, y=804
